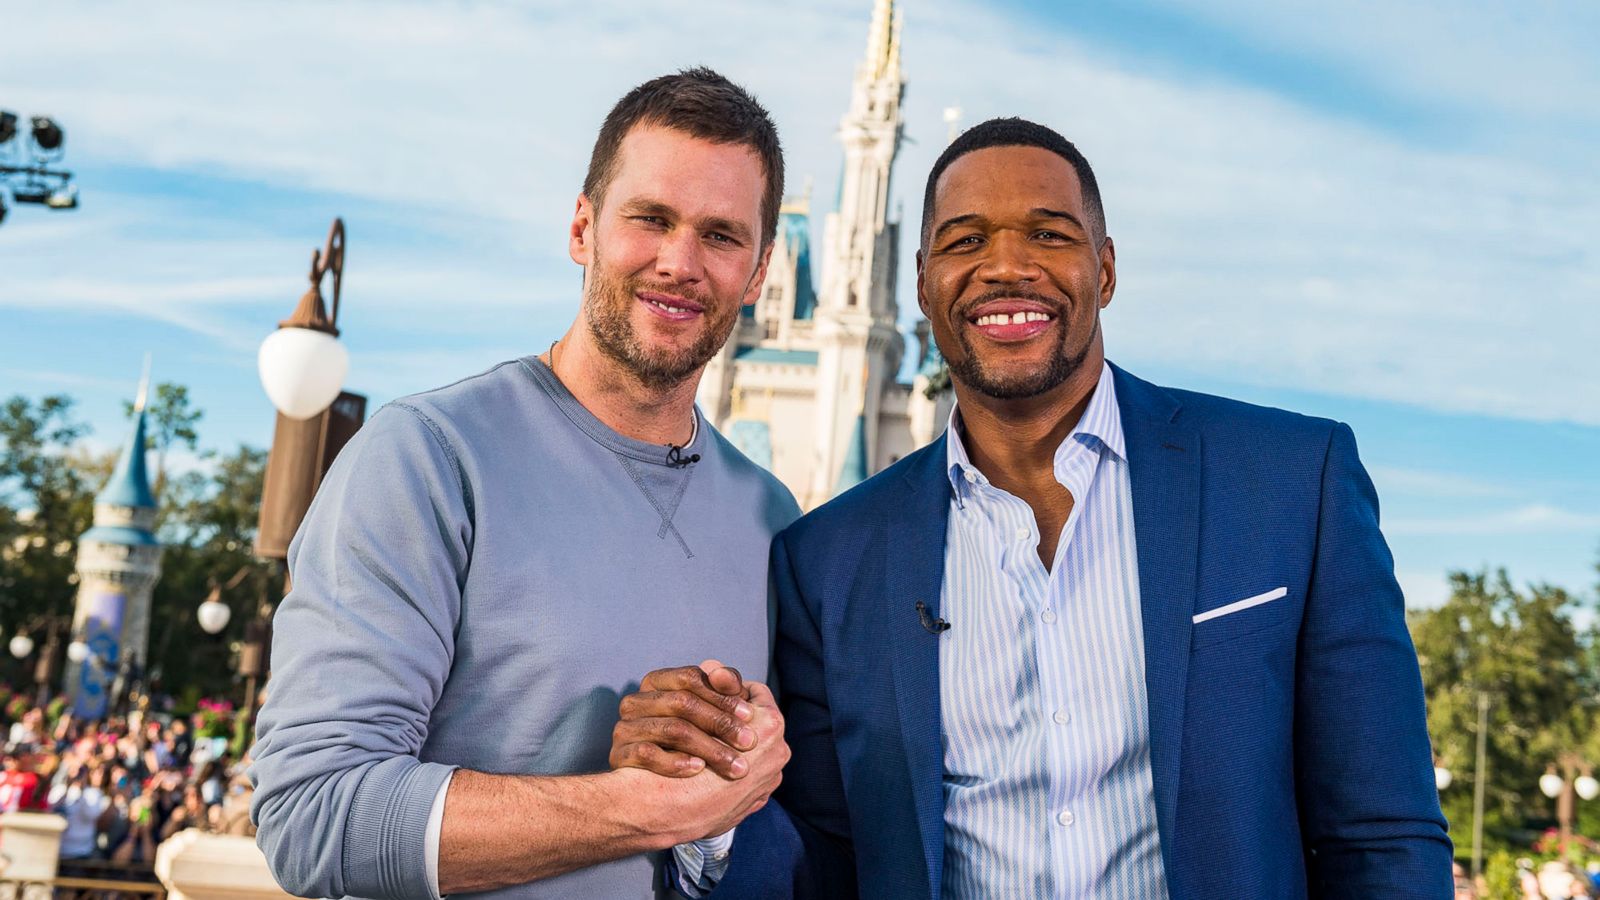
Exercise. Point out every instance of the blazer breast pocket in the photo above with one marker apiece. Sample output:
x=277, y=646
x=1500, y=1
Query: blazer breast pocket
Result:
x=1237, y=619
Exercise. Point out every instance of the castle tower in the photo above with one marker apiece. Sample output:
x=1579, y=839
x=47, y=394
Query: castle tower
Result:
x=858, y=343
x=119, y=562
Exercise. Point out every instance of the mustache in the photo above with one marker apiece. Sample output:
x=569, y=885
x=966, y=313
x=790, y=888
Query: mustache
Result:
x=1028, y=294
x=687, y=292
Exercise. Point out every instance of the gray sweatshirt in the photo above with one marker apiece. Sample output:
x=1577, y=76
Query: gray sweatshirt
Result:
x=486, y=571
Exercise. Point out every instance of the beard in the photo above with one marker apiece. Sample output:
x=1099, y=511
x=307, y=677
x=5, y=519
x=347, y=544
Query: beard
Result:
x=608, y=308
x=969, y=369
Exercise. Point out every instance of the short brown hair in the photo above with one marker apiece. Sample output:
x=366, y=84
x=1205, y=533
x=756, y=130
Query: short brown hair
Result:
x=703, y=104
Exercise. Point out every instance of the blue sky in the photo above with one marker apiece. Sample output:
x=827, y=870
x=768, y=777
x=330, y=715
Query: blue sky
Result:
x=1381, y=212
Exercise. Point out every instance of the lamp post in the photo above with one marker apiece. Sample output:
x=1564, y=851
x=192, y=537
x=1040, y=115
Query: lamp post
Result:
x=1443, y=778
x=25, y=164
x=302, y=367
x=44, y=668
x=1566, y=787
x=214, y=616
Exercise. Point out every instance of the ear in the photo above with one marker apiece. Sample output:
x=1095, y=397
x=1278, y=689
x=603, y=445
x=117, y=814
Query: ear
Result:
x=580, y=236
x=1108, y=272
x=753, y=292
x=922, y=296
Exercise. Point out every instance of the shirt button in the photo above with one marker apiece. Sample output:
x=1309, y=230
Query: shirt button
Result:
x=1064, y=817
x=1048, y=616
x=1023, y=533
x=971, y=475
x=1062, y=717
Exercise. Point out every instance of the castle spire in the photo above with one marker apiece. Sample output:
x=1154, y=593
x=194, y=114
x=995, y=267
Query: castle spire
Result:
x=883, y=40
x=129, y=484
x=143, y=396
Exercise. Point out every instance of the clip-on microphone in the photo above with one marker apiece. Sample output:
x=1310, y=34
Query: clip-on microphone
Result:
x=934, y=626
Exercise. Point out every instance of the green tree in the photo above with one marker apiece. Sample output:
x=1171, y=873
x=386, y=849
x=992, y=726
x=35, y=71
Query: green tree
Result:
x=208, y=539
x=1522, y=650
x=45, y=503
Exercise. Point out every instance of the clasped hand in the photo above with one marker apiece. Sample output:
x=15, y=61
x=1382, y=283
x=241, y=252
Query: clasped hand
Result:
x=706, y=724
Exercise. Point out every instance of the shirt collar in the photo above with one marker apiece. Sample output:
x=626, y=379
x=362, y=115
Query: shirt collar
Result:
x=1101, y=424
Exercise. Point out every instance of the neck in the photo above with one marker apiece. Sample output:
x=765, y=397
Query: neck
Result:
x=617, y=397
x=1013, y=442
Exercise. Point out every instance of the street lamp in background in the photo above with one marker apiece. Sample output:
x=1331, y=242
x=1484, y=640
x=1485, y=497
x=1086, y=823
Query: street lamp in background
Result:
x=1566, y=787
x=44, y=668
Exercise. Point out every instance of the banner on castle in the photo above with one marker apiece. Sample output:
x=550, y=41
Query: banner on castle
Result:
x=102, y=632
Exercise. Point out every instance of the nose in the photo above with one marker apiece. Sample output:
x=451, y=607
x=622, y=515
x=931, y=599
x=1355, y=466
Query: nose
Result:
x=1009, y=260
x=678, y=257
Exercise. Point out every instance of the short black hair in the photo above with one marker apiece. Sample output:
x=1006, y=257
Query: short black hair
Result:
x=701, y=103
x=1015, y=132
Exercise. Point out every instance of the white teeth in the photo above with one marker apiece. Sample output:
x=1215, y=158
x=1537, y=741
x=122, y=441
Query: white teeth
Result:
x=674, y=309
x=1013, y=318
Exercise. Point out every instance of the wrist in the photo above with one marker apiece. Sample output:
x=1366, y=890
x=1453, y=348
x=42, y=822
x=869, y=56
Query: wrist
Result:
x=661, y=808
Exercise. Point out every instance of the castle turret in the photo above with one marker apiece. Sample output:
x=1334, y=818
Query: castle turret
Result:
x=119, y=562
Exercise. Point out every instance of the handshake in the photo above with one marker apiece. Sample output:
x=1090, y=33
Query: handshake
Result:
x=717, y=737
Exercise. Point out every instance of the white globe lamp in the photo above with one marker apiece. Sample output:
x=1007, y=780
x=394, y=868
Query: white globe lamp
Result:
x=302, y=370
x=302, y=364
x=77, y=651
x=213, y=615
x=21, y=646
x=1551, y=784
x=1587, y=787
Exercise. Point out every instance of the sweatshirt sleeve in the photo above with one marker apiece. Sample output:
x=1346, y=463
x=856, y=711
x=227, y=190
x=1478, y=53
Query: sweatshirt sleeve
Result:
x=361, y=650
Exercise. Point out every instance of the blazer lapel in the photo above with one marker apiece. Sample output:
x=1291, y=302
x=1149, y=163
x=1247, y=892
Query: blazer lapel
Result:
x=914, y=536
x=1164, y=463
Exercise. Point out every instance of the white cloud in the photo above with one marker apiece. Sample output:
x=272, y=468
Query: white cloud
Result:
x=1437, y=485
x=1533, y=518
x=1259, y=240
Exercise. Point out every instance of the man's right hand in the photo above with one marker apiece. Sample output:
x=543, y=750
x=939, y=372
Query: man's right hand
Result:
x=684, y=719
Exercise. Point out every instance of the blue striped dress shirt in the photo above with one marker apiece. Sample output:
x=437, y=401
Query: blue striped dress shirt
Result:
x=1047, y=782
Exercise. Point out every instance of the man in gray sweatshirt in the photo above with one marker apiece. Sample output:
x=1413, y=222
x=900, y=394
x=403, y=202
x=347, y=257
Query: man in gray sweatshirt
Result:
x=489, y=566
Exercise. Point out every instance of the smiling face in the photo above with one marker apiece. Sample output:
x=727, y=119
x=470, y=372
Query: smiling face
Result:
x=1009, y=275
x=672, y=253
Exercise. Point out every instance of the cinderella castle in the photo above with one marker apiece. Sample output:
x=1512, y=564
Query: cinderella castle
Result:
x=808, y=386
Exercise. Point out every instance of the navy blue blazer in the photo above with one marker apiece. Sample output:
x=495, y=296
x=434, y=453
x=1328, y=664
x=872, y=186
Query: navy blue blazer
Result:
x=1288, y=741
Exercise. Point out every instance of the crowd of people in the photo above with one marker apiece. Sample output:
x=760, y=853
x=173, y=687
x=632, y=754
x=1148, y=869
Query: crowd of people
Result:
x=123, y=785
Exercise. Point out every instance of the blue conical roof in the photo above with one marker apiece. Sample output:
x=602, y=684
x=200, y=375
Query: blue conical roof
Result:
x=854, y=470
x=129, y=484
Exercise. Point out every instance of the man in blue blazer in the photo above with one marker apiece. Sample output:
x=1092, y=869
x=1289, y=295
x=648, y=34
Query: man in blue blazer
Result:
x=1101, y=639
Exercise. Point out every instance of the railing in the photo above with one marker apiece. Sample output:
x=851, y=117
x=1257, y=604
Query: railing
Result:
x=89, y=880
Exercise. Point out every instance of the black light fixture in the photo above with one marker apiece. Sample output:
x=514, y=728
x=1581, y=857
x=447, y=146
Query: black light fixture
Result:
x=31, y=192
x=47, y=134
x=25, y=166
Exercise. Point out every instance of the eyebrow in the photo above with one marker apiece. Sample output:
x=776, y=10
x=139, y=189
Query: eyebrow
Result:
x=1044, y=213
x=1039, y=212
x=734, y=229
x=955, y=221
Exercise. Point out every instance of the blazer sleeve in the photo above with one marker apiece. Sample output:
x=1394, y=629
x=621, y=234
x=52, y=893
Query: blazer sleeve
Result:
x=1364, y=766
x=799, y=844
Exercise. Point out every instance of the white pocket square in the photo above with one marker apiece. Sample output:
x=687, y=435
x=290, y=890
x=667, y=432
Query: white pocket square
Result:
x=1238, y=605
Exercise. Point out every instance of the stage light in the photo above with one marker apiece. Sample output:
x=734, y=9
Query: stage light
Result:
x=46, y=133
